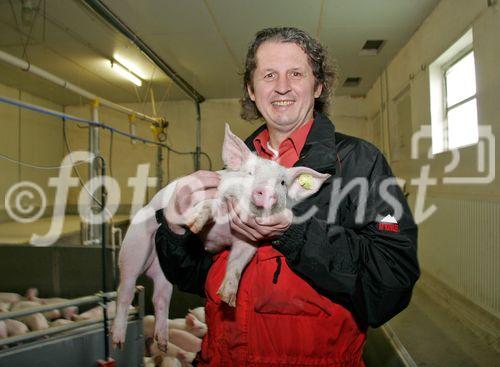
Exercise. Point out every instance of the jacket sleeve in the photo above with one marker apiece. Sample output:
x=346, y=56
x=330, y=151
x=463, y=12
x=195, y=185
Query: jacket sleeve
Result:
x=182, y=258
x=368, y=269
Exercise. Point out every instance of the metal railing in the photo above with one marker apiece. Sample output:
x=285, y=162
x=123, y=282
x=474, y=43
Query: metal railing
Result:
x=96, y=299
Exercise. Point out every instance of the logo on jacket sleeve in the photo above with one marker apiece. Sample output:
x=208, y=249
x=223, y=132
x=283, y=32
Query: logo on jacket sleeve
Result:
x=388, y=224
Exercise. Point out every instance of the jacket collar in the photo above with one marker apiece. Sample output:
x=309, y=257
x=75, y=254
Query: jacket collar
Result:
x=320, y=149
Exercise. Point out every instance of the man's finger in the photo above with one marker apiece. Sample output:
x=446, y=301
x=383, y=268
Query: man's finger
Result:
x=199, y=196
x=244, y=235
x=238, y=225
x=197, y=182
x=271, y=221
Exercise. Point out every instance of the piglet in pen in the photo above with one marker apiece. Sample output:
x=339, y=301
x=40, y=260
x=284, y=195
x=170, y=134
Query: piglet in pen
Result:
x=261, y=187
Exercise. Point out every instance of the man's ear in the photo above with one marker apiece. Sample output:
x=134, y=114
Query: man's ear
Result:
x=234, y=151
x=318, y=90
x=251, y=94
x=304, y=182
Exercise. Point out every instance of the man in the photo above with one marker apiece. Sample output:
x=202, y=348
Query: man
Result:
x=307, y=297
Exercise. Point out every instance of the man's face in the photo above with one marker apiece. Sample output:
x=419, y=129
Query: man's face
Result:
x=283, y=85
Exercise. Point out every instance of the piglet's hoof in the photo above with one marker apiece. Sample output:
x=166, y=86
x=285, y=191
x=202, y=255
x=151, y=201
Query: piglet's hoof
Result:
x=162, y=344
x=227, y=294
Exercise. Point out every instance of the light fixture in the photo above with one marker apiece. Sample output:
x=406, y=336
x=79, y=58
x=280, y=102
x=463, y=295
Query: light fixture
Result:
x=372, y=47
x=133, y=68
x=125, y=73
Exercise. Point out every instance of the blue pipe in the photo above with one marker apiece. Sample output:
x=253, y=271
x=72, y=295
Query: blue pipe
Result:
x=67, y=117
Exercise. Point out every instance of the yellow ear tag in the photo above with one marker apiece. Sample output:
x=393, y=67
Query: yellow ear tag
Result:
x=306, y=181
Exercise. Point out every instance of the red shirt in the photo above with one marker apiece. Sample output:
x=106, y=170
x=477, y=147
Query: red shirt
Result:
x=289, y=149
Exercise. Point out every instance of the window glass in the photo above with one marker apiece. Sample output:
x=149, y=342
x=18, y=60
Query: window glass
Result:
x=461, y=80
x=462, y=125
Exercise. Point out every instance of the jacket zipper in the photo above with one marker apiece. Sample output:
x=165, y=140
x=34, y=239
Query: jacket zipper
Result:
x=278, y=270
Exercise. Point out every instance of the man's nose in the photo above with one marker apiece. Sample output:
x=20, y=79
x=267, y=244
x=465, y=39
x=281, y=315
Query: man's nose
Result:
x=282, y=85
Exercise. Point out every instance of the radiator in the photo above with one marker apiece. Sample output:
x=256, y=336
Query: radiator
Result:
x=460, y=245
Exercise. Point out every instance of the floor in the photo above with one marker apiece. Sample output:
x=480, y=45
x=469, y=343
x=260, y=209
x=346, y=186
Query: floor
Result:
x=434, y=337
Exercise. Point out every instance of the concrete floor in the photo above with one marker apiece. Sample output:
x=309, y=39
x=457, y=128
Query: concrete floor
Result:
x=434, y=337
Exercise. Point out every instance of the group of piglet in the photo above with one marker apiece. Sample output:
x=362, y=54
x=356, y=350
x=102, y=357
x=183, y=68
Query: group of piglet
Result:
x=184, y=340
x=10, y=302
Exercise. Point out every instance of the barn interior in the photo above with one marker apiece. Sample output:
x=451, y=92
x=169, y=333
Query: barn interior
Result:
x=148, y=88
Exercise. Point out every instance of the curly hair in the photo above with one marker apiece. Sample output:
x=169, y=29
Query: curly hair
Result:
x=323, y=70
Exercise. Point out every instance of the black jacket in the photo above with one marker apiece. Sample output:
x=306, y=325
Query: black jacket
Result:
x=368, y=269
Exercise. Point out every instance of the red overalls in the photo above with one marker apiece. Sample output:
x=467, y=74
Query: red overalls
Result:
x=279, y=319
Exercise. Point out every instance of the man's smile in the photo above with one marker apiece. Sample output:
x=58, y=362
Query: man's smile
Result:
x=282, y=103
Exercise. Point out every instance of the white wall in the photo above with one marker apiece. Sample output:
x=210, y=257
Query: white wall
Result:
x=349, y=115
x=29, y=137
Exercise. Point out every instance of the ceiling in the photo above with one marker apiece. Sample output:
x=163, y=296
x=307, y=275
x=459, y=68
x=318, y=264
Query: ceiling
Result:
x=204, y=41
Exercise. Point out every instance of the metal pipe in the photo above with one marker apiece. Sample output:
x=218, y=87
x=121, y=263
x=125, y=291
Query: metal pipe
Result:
x=95, y=235
x=78, y=324
x=58, y=329
x=103, y=258
x=47, y=111
x=26, y=66
x=111, y=18
x=44, y=332
x=75, y=302
x=198, y=138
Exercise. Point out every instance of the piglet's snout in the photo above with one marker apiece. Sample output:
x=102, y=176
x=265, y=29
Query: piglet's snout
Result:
x=264, y=197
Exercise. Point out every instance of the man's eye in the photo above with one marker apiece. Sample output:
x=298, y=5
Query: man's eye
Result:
x=296, y=74
x=269, y=76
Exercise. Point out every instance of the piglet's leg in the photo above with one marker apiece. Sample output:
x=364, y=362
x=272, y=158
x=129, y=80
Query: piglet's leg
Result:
x=135, y=250
x=240, y=256
x=161, y=300
x=201, y=214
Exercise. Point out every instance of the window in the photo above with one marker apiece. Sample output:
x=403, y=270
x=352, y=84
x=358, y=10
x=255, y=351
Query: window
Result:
x=461, y=106
x=453, y=97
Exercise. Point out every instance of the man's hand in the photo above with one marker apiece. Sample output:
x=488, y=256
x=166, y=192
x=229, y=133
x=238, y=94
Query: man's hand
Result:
x=255, y=229
x=190, y=191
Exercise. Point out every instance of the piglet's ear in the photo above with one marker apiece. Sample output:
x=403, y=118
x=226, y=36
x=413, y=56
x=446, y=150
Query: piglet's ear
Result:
x=234, y=151
x=304, y=182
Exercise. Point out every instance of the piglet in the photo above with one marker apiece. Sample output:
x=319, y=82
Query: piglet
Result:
x=198, y=313
x=10, y=297
x=95, y=313
x=67, y=312
x=51, y=315
x=195, y=326
x=15, y=327
x=185, y=340
x=4, y=306
x=170, y=362
x=60, y=322
x=36, y=321
x=3, y=330
x=260, y=186
x=173, y=351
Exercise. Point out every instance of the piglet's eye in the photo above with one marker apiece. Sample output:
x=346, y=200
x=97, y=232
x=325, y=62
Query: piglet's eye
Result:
x=250, y=173
x=283, y=182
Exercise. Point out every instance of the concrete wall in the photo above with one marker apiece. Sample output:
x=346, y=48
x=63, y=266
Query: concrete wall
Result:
x=459, y=243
